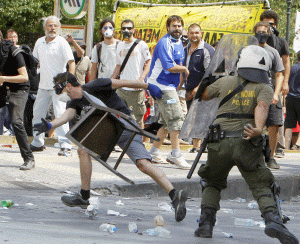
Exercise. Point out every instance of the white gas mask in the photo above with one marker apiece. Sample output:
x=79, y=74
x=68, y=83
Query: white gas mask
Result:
x=109, y=33
x=64, y=97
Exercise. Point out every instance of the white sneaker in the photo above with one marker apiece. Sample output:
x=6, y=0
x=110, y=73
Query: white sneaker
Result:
x=179, y=161
x=157, y=159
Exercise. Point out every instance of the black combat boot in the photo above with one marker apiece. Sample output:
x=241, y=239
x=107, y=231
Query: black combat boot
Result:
x=206, y=223
x=276, y=229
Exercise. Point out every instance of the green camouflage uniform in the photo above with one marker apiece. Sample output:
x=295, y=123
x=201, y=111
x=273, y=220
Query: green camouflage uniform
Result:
x=245, y=154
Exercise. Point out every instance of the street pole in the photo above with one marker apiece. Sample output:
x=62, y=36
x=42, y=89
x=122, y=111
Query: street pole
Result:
x=57, y=8
x=288, y=15
x=90, y=27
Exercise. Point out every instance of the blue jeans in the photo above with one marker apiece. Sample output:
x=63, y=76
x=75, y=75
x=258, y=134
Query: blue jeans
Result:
x=16, y=105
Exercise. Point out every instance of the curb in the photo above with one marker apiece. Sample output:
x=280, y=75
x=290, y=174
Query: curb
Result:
x=236, y=187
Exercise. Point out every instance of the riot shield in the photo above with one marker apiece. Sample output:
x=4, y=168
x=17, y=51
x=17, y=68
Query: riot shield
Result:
x=202, y=113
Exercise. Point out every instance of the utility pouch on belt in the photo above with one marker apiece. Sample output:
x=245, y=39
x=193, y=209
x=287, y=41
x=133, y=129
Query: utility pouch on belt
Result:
x=266, y=148
x=214, y=133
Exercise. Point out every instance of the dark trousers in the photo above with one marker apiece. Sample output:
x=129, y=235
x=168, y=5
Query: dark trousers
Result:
x=28, y=115
x=16, y=106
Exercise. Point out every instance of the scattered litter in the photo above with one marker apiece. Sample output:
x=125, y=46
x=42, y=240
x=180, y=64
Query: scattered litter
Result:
x=238, y=199
x=123, y=215
x=138, y=219
x=159, y=220
x=29, y=204
x=165, y=206
x=253, y=205
x=120, y=203
x=69, y=192
x=113, y=213
x=92, y=192
x=244, y=222
x=108, y=228
x=10, y=146
x=7, y=203
x=229, y=235
x=93, y=209
x=227, y=210
x=295, y=199
x=158, y=231
x=133, y=227
x=260, y=224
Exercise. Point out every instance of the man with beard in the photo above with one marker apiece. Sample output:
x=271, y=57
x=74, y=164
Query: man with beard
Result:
x=53, y=53
x=104, y=53
x=136, y=68
x=198, y=55
x=165, y=70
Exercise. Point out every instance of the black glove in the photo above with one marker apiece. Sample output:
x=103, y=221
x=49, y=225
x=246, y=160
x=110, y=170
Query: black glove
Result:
x=42, y=127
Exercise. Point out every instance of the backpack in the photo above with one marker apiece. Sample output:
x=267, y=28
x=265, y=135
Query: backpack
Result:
x=31, y=64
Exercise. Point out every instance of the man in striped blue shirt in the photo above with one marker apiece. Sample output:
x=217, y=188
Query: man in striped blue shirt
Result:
x=166, y=66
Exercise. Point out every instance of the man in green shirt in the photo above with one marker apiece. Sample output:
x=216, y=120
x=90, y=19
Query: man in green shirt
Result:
x=241, y=121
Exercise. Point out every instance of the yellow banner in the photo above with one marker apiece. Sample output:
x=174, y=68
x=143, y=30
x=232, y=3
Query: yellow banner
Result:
x=215, y=21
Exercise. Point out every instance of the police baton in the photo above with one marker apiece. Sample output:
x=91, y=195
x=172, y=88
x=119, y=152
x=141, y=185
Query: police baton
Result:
x=201, y=150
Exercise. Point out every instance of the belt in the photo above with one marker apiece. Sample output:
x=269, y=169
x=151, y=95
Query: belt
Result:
x=228, y=134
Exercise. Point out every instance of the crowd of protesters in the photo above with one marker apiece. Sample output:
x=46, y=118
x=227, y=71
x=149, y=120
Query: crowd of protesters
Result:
x=178, y=76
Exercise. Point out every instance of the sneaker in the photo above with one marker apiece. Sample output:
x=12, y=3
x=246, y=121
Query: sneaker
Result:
x=75, y=201
x=194, y=150
x=272, y=164
x=182, y=142
x=36, y=149
x=179, y=161
x=29, y=164
x=157, y=159
x=295, y=147
x=166, y=142
x=279, y=153
x=179, y=204
x=64, y=152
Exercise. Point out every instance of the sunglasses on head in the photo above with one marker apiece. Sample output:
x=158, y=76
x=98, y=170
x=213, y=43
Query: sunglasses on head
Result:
x=128, y=28
x=107, y=27
x=184, y=36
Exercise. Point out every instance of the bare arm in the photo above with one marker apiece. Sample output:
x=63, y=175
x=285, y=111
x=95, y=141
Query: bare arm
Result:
x=115, y=84
x=116, y=71
x=205, y=95
x=287, y=69
x=179, y=69
x=278, y=87
x=260, y=117
x=20, y=78
x=93, y=72
x=67, y=116
x=79, y=50
x=71, y=66
x=181, y=82
x=145, y=71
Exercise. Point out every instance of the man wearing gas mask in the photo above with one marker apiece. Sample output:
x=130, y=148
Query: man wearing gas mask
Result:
x=275, y=118
x=104, y=53
x=136, y=68
x=281, y=45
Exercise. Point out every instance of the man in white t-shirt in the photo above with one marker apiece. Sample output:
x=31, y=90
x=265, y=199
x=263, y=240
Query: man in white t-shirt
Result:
x=136, y=68
x=53, y=53
x=103, y=66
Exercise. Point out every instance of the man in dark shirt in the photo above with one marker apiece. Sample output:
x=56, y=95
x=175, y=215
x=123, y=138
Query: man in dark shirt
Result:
x=15, y=78
x=104, y=89
x=292, y=103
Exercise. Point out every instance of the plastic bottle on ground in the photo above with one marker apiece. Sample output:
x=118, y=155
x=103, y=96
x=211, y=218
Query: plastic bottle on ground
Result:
x=7, y=203
x=165, y=206
x=162, y=232
x=244, y=222
x=252, y=205
x=91, y=211
x=108, y=228
x=132, y=227
x=159, y=220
